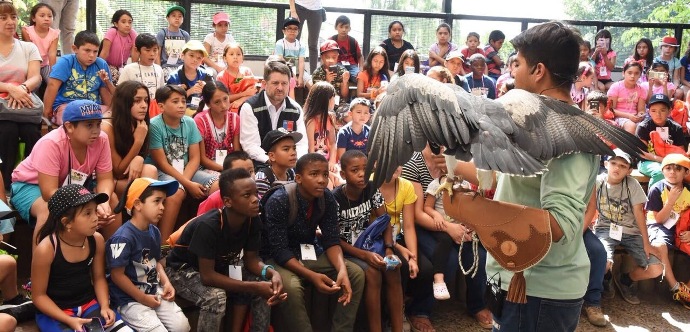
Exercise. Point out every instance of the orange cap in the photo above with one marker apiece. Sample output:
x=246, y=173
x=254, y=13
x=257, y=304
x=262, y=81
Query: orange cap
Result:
x=137, y=187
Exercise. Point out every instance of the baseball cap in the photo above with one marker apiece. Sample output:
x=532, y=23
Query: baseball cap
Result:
x=455, y=55
x=676, y=158
x=274, y=136
x=72, y=195
x=174, y=8
x=194, y=45
x=621, y=154
x=659, y=98
x=221, y=17
x=669, y=41
x=329, y=45
x=137, y=187
x=290, y=21
x=82, y=110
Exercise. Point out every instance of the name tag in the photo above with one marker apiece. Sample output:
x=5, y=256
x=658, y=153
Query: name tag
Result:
x=235, y=272
x=178, y=165
x=195, y=101
x=75, y=177
x=663, y=133
x=220, y=156
x=603, y=71
x=616, y=232
x=308, y=252
x=395, y=67
x=345, y=63
x=672, y=219
x=173, y=58
x=337, y=100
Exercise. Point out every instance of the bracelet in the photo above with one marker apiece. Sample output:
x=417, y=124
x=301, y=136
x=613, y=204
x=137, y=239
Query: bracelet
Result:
x=263, y=271
x=389, y=246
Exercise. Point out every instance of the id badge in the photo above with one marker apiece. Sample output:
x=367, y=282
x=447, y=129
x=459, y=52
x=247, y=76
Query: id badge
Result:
x=603, y=71
x=173, y=58
x=235, y=272
x=395, y=67
x=477, y=91
x=220, y=156
x=178, y=165
x=219, y=59
x=672, y=219
x=75, y=177
x=663, y=133
x=308, y=252
x=345, y=63
x=616, y=232
x=337, y=100
x=195, y=101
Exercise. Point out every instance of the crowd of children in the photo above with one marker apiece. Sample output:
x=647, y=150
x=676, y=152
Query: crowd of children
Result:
x=149, y=122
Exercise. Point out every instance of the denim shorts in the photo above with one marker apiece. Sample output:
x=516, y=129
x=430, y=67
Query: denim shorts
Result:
x=201, y=177
x=660, y=234
x=632, y=243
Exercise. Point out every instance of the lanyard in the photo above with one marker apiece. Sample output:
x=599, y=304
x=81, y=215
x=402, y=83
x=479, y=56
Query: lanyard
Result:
x=222, y=135
x=619, y=215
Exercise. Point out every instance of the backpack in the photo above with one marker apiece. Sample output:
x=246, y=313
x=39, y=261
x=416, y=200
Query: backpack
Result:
x=353, y=47
x=293, y=205
x=175, y=236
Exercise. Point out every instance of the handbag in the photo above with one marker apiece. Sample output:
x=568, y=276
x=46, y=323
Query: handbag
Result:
x=22, y=115
x=371, y=238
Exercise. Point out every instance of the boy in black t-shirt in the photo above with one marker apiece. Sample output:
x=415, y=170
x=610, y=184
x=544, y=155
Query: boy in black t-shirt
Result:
x=205, y=261
x=281, y=148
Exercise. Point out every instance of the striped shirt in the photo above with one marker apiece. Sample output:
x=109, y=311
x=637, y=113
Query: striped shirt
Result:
x=416, y=170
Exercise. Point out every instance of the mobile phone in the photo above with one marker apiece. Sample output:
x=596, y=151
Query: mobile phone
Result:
x=603, y=43
x=594, y=105
x=409, y=70
x=333, y=68
x=659, y=75
x=94, y=326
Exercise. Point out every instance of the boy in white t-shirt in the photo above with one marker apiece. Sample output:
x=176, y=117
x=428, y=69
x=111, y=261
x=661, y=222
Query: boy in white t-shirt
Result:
x=145, y=70
x=291, y=49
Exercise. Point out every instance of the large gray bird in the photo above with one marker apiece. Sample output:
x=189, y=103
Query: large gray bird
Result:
x=515, y=134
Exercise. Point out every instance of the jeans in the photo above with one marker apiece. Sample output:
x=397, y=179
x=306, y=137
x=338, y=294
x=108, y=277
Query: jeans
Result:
x=597, y=258
x=426, y=243
x=314, y=20
x=65, y=19
x=539, y=314
x=9, y=149
x=294, y=312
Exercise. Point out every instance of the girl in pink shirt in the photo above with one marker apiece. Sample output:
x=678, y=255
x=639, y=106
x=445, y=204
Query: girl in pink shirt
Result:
x=70, y=154
x=118, y=48
x=628, y=98
x=44, y=37
x=219, y=128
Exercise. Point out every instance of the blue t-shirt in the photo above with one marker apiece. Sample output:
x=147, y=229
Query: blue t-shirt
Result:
x=175, y=142
x=348, y=139
x=138, y=252
x=77, y=82
x=686, y=65
x=171, y=43
x=486, y=84
x=672, y=65
x=177, y=77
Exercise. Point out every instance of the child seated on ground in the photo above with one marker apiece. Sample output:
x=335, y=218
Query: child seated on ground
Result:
x=355, y=134
x=620, y=200
x=292, y=50
x=478, y=82
x=145, y=70
x=238, y=78
x=216, y=256
x=350, y=55
x=174, y=149
x=15, y=307
x=628, y=98
x=442, y=46
x=79, y=76
x=216, y=42
x=290, y=244
x=597, y=104
x=661, y=135
x=68, y=284
x=320, y=127
x=359, y=204
x=171, y=40
x=139, y=287
x=234, y=160
x=331, y=72
x=219, y=128
x=69, y=154
x=666, y=201
x=658, y=81
x=281, y=147
x=373, y=78
x=190, y=76
x=117, y=48
x=494, y=63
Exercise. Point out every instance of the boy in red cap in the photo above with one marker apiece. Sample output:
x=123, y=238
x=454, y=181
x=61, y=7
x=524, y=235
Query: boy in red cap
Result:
x=331, y=72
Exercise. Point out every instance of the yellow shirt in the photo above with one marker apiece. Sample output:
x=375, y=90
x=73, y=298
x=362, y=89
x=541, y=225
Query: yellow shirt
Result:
x=404, y=195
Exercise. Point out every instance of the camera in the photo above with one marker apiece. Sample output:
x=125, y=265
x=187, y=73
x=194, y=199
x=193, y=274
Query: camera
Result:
x=594, y=105
x=333, y=68
x=94, y=326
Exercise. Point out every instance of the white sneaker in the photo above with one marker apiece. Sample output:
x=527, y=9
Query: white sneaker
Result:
x=441, y=291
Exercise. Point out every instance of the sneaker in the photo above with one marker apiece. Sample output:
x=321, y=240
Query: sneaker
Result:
x=20, y=307
x=628, y=293
x=441, y=291
x=594, y=315
x=682, y=295
x=609, y=289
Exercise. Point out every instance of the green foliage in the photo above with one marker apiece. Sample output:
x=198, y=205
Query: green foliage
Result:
x=24, y=10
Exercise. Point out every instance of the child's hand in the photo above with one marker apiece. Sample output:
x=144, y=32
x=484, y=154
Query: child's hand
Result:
x=141, y=131
x=300, y=82
x=196, y=190
x=324, y=284
x=684, y=236
x=414, y=269
x=277, y=286
x=76, y=323
x=105, y=214
x=375, y=260
x=264, y=289
x=330, y=76
x=109, y=316
x=196, y=89
x=133, y=171
x=103, y=75
x=439, y=223
x=18, y=97
x=168, y=292
x=343, y=282
x=346, y=77
x=674, y=194
x=151, y=301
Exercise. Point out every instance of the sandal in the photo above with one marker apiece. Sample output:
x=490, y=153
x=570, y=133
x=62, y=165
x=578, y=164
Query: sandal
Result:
x=485, y=319
x=441, y=291
x=420, y=324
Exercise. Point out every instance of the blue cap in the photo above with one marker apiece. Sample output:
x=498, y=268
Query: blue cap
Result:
x=82, y=110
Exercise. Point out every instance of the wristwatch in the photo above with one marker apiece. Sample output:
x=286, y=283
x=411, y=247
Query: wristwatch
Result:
x=389, y=246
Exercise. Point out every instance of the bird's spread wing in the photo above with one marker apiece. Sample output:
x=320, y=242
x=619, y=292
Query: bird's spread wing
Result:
x=512, y=135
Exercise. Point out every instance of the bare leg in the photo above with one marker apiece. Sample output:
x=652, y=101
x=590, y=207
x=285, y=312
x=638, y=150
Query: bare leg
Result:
x=395, y=299
x=8, y=277
x=239, y=312
x=372, y=295
x=40, y=210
